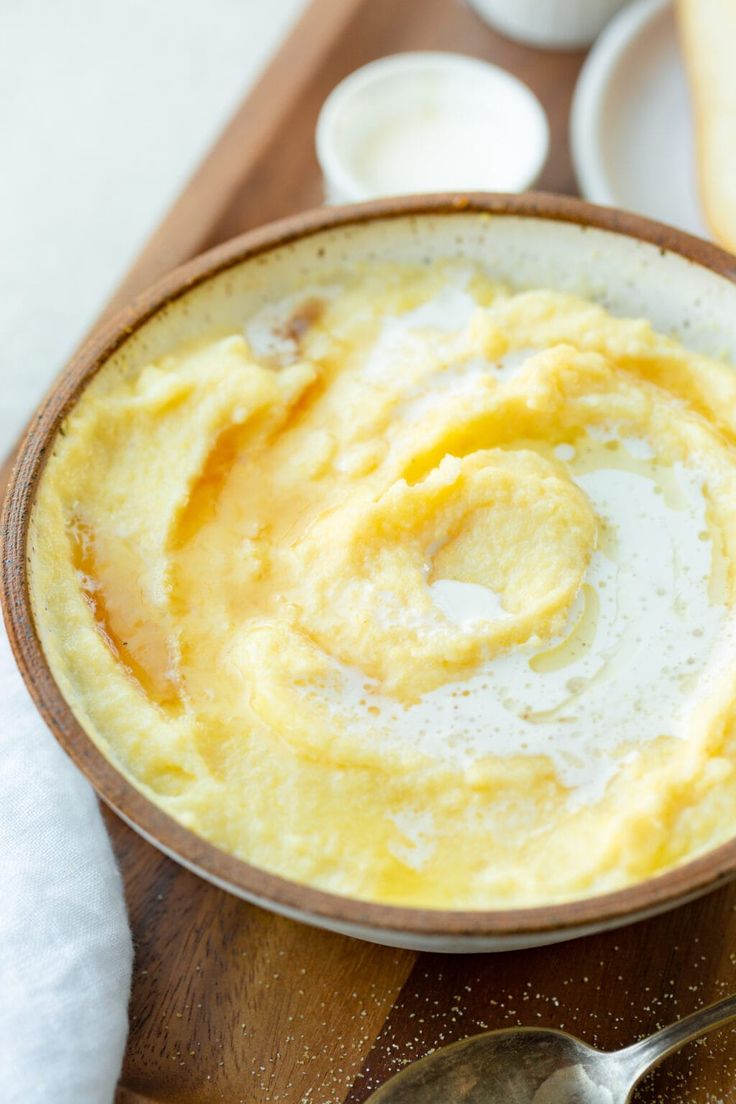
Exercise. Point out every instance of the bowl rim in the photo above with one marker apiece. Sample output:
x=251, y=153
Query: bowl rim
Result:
x=683, y=882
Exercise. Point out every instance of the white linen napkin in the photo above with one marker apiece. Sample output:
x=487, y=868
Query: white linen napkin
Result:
x=65, y=946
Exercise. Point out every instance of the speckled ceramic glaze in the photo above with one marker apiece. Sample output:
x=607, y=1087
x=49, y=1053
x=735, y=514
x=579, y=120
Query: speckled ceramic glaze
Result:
x=685, y=287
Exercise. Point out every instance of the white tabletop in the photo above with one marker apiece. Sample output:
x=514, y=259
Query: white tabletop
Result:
x=106, y=106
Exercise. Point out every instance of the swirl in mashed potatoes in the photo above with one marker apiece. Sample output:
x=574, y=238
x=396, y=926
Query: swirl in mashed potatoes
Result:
x=417, y=589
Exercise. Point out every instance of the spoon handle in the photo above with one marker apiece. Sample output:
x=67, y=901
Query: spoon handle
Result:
x=643, y=1056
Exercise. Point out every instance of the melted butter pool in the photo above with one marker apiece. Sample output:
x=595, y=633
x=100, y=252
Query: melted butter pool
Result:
x=643, y=632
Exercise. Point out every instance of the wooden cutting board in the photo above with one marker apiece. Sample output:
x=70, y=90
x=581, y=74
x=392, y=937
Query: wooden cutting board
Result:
x=230, y=1003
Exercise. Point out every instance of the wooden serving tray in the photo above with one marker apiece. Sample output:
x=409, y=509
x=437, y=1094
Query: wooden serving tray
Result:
x=230, y=1003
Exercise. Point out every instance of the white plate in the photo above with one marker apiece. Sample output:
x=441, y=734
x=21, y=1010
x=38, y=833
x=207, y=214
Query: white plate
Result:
x=631, y=128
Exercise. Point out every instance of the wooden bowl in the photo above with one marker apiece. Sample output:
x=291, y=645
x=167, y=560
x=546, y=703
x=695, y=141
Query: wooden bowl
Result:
x=631, y=265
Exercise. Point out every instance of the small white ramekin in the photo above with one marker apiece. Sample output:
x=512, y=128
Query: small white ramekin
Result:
x=429, y=122
x=556, y=24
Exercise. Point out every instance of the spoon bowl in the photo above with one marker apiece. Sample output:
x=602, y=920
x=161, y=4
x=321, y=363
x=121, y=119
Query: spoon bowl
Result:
x=514, y=1067
x=541, y=1066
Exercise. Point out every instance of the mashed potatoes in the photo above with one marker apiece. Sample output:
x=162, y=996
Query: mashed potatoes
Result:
x=416, y=590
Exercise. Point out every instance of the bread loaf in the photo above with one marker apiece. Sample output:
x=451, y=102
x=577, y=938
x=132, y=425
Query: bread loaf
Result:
x=708, y=35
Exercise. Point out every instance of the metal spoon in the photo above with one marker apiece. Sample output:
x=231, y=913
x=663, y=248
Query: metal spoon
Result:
x=527, y=1065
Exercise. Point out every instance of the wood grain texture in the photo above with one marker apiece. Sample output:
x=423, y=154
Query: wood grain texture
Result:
x=230, y=1003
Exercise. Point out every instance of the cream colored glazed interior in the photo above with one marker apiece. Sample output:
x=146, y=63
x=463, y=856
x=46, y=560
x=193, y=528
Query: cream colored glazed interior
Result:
x=398, y=582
